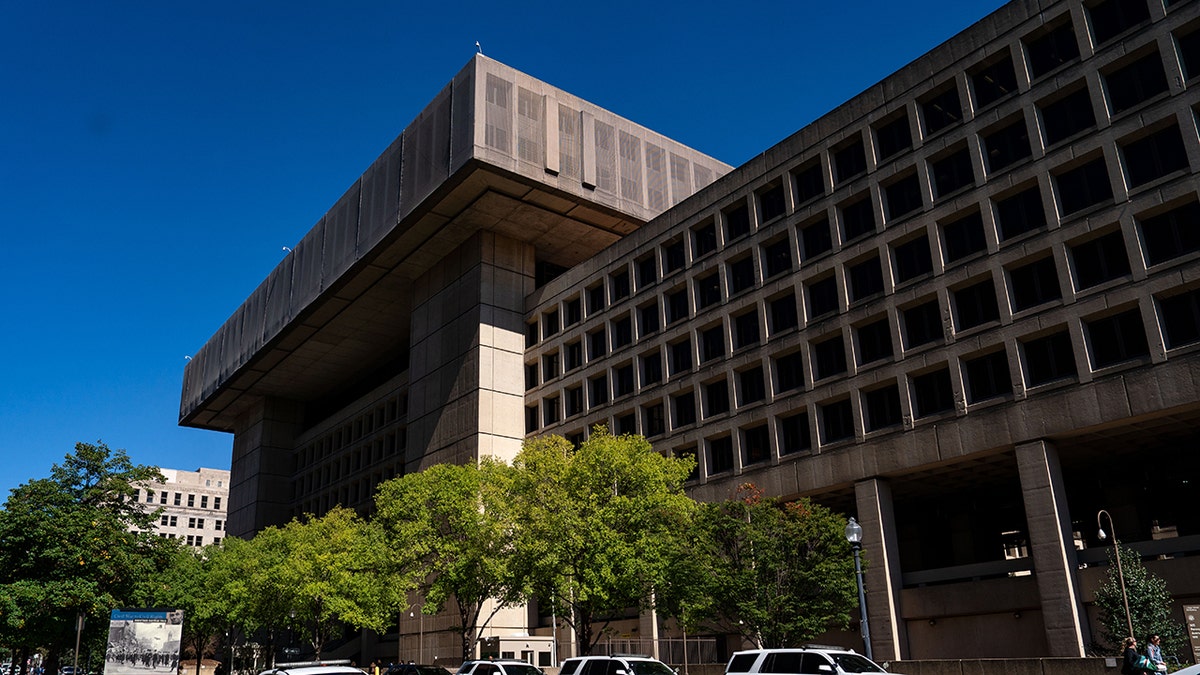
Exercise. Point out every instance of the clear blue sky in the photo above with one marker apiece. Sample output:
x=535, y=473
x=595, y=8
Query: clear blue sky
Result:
x=156, y=156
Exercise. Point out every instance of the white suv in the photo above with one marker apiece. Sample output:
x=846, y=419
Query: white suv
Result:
x=808, y=660
x=617, y=664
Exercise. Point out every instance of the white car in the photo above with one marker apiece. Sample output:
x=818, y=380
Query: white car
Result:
x=809, y=660
x=314, y=668
x=617, y=664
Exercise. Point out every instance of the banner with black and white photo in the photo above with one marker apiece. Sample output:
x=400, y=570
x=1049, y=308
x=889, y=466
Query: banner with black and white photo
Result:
x=143, y=641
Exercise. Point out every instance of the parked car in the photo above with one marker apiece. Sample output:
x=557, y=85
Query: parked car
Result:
x=414, y=669
x=314, y=668
x=498, y=667
x=616, y=664
x=808, y=660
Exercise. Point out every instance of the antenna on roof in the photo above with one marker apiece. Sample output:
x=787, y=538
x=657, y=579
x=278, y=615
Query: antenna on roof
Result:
x=477, y=47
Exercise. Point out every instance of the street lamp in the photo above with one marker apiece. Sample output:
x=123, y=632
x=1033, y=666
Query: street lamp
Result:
x=1117, y=554
x=854, y=536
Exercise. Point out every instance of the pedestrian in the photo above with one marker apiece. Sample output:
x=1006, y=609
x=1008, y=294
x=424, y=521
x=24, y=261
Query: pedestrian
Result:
x=1154, y=652
x=1134, y=663
x=374, y=668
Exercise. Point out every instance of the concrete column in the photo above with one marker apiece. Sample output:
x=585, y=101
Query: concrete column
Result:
x=1052, y=547
x=889, y=639
x=260, y=476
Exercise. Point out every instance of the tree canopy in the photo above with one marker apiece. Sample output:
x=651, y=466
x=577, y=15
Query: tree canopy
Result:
x=1149, y=605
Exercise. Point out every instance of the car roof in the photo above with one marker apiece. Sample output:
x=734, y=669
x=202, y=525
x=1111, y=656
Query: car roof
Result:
x=316, y=670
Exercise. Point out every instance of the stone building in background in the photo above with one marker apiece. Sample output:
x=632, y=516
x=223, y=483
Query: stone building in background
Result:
x=963, y=307
x=192, y=504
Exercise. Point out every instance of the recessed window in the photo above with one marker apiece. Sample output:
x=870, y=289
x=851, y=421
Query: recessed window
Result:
x=829, y=357
x=1083, y=186
x=550, y=411
x=623, y=379
x=1099, y=260
x=689, y=453
x=1068, y=115
x=849, y=160
x=902, y=196
x=1116, y=339
x=1172, y=234
x=1048, y=358
x=704, y=239
x=745, y=330
x=810, y=184
x=987, y=377
x=783, y=313
x=1110, y=18
x=874, y=341
x=1006, y=145
x=647, y=272
x=815, y=238
x=1189, y=53
x=794, y=434
x=619, y=288
x=893, y=138
x=531, y=425
x=1051, y=48
x=1180, y=319
x=822, y=297
x=712, y=343
x=598, y=391
x=993, y=81
x=941, y=110
x=622, y=332
x=777, y=257
x=1155, y=156
x=653, y=420
x=975, y=305
x=550, y=325
x=771, y=202
x=595, y=297
x=932, y=393
x=1135, y=83
x=597, y=344
x=677, y=305
x=789, y=372
x=1034, y=284
x=837, y=421
x=549, y=367
x=951, y=173
x=882, y=407
x=716, y=398
x=708, y=290
x=683, y=409
x=673, y=256
x=756, y=445
x=574, y=311
x=652, y=370
x=625, y=424
x=752, y=386
x=963, y=236
x=858, y=219
x=1019, y=213
x=720, y=455
x=912, y=259
x=866, y=279
x=648, y=319
x=531, y=376
x=741, y=274
x=531, y=334
x=574, y=401
x=737, y=222
x=922, y=324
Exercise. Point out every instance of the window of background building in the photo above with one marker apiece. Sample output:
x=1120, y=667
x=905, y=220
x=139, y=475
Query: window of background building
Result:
x=622, y=332
x=783, y=313
x=531, y=419
x=1116, y=339
x=756, y=444
x=677, y=305
x=794, y=435
x=683, y=409
x=647, y=272
x=858, y=218
x=975, y=305
x=963, y=236
x=531, y=334
x=1067, y=115
x=922, y=324
x=837, y=421
x=1048, y=358
x=619, y=285
x=932, y=393
x=712, y=343
x=1180, y=319
x=987, y=376
x=217, y=502
x=550, y=410
x=704, y=238
x=673, y=257
x=716, y=398
x=849, y=160
x=789, y=372
x=573, y=355
x=951, y=172
x=829, y=357
x=598, y=391
x=623, y=379
x=574, y=311
x=1099, y=260
x=902, y=196
x=810, y=183
x=720, y=455
x=595, y=297
x=737, y=222
x=597, y=344
x=1154, y=156
x=751, y=386
x=1033, y=284
x=574, y=401
x=1019, y=213
x=741, y=274
x=815, y=238
x=648, y=319
x=708, y=290
x=1083, y=186
x=771, y=202
x=994, y=80
x=178, y=499
x=777, y=257
x=912, y=259
x=745, y=329
x=1051, y=48
x=1135, y=83
x=531, y=376
x=1110, y=18
x=866, y=278
x=893, y=137
x=549, y=324
x=652, y=420
x=822, y=296
x=681, y=357
x=882, y=407
x=1171, y=234
x=1006, y=145
x=941, y=109
x=652, y=370
x=549, y=366
x=874, y=341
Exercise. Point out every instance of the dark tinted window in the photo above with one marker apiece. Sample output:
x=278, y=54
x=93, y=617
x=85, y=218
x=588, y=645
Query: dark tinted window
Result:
x=1154, y=156
x=815, y=239
x=882, y=407
x=975, y=305
x=737, y=222
x=952, y=173
x=1110, y=18
x=794, y=435
x=1137, y=82
x=1052, y=49
x=893, y=137
x=1067, y=116
x=912, y=259
x=1020, y=213
x=837, y=421
x=849, y=161
x=1006, y=145
x=866, y=279
x=987, y=377
x=1181, y=319
x=1049, y=358
x=809, y=182
x=994, y=81
x=771, y=202
x=1083, y=186
x=932, y=393
x=829, y=357
x=1117, y=338
x=874, y=341
x=858, y=219
x=1099, y=260
x=903, y=196
x=941, y=110
x=922, y=324
x=783, y=313
x=963, y=236
x=822, y=297
x=1034, y=283
x=1171, y=234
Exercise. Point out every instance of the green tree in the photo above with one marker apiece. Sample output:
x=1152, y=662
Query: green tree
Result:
x=74, y=544
x=245, y=574
x=186, y=583
x=452, y=522
x=777, y=573
x=1149, y=605
x=595, y=525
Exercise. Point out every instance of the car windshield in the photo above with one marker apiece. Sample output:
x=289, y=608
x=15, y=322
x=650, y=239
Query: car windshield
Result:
x=432, y=670
x=650, y=668
x=853, y=663
x=521, y=669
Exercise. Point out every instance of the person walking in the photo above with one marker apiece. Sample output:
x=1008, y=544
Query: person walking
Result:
x=1154, y=652
x=1133, y=662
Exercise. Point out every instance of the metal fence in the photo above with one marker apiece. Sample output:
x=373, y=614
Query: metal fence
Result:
x=671, y=651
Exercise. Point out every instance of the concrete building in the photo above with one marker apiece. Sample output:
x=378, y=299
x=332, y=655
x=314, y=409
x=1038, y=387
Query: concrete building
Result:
x=964, y=307
x=192, y=504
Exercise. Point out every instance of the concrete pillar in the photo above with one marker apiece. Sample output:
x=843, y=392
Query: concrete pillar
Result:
x=1052, y=547
x=889, y=639
x=260, y=474
x=648, y=630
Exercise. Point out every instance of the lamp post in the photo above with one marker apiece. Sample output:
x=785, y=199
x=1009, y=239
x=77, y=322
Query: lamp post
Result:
x=854, y=536
x=1117, y=555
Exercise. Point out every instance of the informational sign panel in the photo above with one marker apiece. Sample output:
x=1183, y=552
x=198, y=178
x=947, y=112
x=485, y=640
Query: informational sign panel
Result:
x=143, y=641
x=1192, y=614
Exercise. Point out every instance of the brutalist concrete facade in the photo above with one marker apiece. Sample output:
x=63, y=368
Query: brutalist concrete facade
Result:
x=964, y=307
